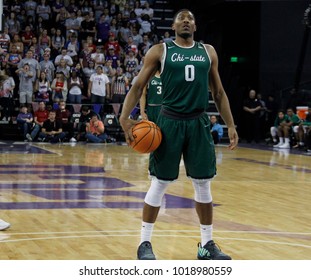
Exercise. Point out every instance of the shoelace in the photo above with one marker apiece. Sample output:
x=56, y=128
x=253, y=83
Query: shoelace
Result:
x=214, y=247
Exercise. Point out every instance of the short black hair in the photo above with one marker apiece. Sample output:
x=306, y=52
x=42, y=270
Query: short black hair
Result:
x=182, y=10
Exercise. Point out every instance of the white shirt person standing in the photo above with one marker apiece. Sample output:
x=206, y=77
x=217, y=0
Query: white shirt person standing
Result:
x=98, y=86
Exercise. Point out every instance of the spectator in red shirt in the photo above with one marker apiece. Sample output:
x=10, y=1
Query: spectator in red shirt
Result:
x=112, y=43
x=40, y=116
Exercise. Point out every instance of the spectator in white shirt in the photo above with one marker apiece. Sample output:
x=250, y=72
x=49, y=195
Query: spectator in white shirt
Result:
x=98, y=87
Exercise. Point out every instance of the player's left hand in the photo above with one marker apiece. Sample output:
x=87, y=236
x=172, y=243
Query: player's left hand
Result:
x=233, y=137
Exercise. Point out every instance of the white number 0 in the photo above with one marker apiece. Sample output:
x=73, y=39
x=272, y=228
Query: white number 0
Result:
x=189, y=73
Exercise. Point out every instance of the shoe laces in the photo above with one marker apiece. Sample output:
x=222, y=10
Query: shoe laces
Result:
x=212, y=246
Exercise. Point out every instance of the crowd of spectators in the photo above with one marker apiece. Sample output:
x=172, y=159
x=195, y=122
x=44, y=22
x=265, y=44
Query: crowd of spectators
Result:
x=73, y=51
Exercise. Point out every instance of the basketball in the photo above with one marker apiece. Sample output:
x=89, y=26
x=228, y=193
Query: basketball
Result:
x=147, y=137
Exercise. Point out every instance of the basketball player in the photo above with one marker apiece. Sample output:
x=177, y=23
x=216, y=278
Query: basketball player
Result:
x=188, y=70
x=152, y=97
x=4, y=225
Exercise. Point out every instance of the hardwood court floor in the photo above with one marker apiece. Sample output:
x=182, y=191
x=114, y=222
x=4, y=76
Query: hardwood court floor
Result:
x=84, y=201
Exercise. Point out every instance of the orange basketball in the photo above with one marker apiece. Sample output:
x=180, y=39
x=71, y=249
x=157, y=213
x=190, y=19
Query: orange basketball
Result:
x=147, y=137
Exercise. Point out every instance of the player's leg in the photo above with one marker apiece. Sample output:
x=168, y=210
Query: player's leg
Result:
x=163, y=168
x=200, y=163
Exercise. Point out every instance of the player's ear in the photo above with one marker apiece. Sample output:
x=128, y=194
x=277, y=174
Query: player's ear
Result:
x=195, y=28
x=173, y=26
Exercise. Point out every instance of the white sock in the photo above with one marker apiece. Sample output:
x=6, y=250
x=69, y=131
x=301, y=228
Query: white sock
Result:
x=286, y=140
x=146, y=231
x=281, y=140
x=206, y=233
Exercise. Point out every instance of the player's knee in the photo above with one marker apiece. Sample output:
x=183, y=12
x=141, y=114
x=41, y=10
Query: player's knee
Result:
x=156, y=192
x=202, y=190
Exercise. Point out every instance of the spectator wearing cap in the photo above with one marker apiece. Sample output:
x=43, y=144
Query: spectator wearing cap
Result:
x=112, y=43
x=47, y=66
x=115, y=59
x=98, y=87
x=130, y=63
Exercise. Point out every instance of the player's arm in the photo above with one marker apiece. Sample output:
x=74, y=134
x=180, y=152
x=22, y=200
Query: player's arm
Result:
x=151, y=64
x=220, y=97
x=142, y=103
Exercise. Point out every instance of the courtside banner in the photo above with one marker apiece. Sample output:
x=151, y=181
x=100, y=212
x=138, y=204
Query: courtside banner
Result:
x=121, y=269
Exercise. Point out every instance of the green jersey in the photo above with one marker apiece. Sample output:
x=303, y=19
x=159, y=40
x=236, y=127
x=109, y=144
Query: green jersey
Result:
x=154, y=98
x=187, y=92
x=295, y=119
x=278, y=121
x=154, y=91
